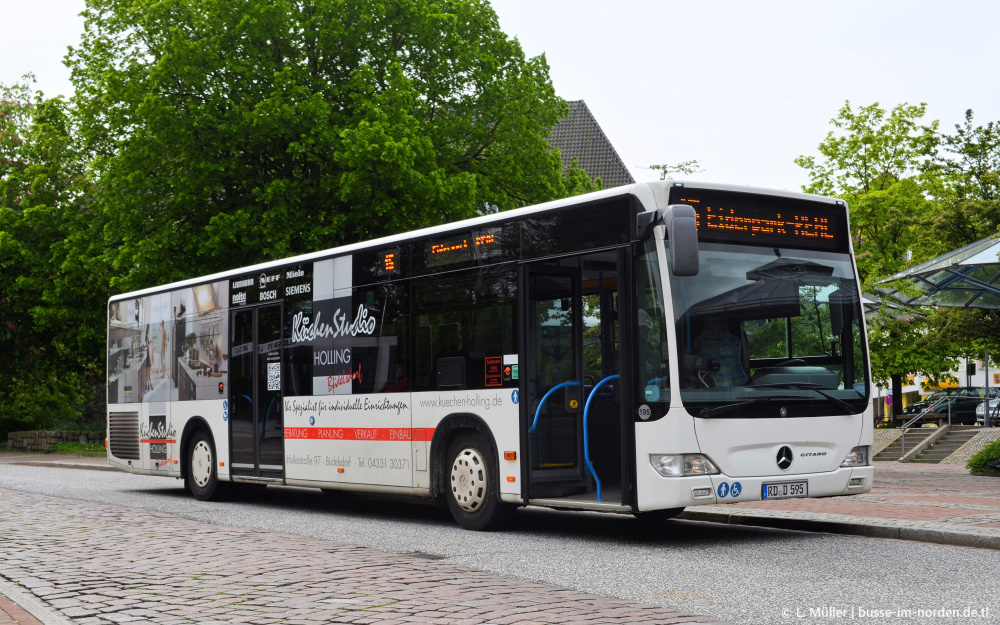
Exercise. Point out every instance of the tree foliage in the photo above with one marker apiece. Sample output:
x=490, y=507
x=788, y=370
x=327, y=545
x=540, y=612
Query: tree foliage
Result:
x=50, y=301
x=876, y=160
x=229, y=132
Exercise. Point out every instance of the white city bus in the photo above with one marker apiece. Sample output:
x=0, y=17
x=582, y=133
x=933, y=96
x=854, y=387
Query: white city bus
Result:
x=637, y=350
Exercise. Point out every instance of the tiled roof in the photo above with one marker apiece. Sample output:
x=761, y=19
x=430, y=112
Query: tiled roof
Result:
x=581, y=136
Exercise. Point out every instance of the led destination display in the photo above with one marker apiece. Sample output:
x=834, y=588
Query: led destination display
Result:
x=765, y=220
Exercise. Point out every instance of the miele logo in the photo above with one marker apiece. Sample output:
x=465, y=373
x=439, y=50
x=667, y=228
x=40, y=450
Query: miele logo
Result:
x=295, y=273
x=812, y=453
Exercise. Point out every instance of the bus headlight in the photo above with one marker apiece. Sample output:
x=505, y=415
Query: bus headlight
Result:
x=857, y=458
x=681, y=465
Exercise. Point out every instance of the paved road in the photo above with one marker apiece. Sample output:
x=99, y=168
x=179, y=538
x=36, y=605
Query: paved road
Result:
x=730, y=573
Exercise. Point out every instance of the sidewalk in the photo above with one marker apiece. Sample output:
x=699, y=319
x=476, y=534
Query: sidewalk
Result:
x=932, y=503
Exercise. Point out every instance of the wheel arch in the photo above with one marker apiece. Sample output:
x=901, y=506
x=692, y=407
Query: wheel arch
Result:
x=193, y=424
x=446, y=431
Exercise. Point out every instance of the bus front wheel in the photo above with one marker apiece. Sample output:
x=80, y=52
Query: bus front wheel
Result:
x=473, y=485
x=202, y=478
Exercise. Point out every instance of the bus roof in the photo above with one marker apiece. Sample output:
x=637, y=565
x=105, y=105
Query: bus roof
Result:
x=652, y=194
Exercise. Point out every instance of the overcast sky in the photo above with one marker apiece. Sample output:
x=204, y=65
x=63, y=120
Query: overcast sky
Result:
x=744, y=87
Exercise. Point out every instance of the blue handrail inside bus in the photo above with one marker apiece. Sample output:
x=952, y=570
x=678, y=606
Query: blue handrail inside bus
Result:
x=586, y=439
x=538, y=411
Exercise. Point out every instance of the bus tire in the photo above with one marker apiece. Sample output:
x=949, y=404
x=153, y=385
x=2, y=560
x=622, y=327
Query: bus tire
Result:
x=473, y=486
x=202, y=477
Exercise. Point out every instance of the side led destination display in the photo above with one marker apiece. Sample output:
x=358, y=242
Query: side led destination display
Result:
x=462, y=248
x=765, y=220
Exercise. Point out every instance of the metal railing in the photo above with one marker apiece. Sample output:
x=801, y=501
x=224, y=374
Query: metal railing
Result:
x=929, y=411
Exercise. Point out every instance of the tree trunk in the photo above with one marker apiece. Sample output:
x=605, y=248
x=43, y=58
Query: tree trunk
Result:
x=897, y=396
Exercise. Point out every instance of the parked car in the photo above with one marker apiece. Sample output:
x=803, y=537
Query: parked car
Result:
x=964, y=401
x=994, y=413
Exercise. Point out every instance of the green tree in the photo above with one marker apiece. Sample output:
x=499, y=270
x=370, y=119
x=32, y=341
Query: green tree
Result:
x=668, y=170
x=880, y=163
x=968, y=187
x=232, y=131
x=50, y=300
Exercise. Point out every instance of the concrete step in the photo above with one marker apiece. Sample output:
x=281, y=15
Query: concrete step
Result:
x=957, y=436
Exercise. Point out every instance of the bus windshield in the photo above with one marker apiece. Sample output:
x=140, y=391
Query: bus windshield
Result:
x=763, y=332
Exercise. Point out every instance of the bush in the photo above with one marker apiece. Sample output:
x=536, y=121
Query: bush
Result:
x=990, y=453
x=49, y=402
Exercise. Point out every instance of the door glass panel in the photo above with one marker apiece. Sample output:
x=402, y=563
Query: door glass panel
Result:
x=554, y=334
x=269, y=425
x=241, y=390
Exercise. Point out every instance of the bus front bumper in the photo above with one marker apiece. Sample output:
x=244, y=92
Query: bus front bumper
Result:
x=680, y=492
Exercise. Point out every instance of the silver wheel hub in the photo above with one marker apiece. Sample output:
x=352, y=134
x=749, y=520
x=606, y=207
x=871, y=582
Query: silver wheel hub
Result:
x=201, y=464
x=468, y=480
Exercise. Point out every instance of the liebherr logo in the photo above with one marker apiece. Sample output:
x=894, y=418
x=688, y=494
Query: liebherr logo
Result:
x=784, y=458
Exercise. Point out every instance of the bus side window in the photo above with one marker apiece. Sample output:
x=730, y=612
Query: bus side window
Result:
x=462, y=319
x=653, y=384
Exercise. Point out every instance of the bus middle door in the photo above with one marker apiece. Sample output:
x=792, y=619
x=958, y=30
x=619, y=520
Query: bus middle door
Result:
x=256, y=424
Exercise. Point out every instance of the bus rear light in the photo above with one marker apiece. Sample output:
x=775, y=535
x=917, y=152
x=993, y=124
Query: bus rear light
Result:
x=681, y=465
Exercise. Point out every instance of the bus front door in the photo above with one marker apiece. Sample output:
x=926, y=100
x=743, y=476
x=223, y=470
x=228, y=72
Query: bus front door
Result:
x=572, y=349
x=256, y=424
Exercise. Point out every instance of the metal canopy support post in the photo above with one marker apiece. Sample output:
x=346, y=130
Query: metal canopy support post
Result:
x=986, y=367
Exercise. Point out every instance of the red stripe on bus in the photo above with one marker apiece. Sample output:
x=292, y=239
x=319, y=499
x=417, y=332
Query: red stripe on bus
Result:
x=360, y=434
x=157, y=440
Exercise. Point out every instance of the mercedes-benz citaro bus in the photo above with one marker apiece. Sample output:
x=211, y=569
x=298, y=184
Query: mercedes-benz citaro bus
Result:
x=638, y=350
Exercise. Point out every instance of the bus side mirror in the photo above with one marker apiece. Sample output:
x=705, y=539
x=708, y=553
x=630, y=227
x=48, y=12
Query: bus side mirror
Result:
x=682, y=237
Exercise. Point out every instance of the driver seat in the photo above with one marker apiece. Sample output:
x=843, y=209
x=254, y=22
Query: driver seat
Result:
x=718, y=342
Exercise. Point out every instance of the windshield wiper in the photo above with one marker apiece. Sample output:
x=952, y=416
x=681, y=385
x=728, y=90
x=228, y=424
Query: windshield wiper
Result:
x=812, y=386
x=718, y=410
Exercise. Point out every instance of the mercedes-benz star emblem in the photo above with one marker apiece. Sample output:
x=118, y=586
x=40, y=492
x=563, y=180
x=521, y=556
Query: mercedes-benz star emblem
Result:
x=784, y=458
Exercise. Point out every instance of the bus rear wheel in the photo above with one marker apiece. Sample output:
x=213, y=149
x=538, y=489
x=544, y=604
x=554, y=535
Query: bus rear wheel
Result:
x=201, y=477
x=473, y=485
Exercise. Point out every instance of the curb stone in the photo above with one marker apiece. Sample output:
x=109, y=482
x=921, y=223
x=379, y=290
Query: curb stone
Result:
x=941, y=537
x=31, y=605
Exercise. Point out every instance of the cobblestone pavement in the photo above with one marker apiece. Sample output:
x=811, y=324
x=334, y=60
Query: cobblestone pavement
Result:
x=103, y=564
x=927, y=502
x=931, y=502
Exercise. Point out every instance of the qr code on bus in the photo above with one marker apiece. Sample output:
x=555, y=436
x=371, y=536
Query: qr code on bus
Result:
x=274, y=376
